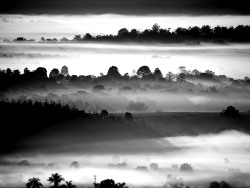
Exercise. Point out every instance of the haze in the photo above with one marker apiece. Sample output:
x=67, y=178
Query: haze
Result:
x=219, y=58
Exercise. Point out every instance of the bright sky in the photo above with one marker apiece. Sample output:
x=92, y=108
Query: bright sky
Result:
x=231, y=60
x=58, y=26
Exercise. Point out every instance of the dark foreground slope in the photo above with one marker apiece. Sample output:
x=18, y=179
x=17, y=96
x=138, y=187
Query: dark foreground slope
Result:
x=37, y=125
x=55, y=128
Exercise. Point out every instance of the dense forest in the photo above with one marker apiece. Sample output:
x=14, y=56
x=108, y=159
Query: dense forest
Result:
x=25, y=117
x=191, y=35
x=39, y=77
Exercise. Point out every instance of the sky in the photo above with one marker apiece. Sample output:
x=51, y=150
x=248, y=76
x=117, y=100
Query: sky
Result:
x=66, y=18
x=126, y=57
x=59, y=18
x=131, y=7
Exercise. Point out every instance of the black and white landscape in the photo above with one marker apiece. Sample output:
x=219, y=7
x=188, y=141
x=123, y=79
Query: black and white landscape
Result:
x=118, y=94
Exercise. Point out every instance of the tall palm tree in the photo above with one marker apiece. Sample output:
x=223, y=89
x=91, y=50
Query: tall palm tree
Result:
x=34, y=183
x=70, y=184
x=56, y=179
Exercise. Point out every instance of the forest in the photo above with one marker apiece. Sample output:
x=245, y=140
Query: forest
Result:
x=59, y=113
x=191, y=35
x=11, y=78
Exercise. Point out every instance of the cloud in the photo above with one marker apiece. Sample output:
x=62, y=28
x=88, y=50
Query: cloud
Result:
x=139, y=7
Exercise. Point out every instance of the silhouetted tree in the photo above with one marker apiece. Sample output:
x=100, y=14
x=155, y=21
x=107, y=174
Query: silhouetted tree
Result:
x=34, y=183
x=170, y=76
x=108, y=183
x=16, y=73
x=224, y=184
x=195, y=72
x=185, y=167
x=230, y=112
x=69, y=184
x=128, y=116
x=74, y=164
x=40, y=73
x=156, y=28
x=26, y=70
x=24, y=163
x=87, y=36
x=182, y=69
x=191, y=35
x=122, y=33
x=181, y=78
x=210, y=72
x=113, y=72
x=121, y=185
x=60, y=77
x=54, y=73
x=65, y=71
x=157, y=73
x=153, y=166
x=104, y=113
x=246, y=78
x=143, y=71
x=20, y=39
x=74, y=78
x=134, y=33
x=121, y=165
x=206, y=31
x=214, y=184
x=64, y=39
x=56, y=179
x=206, y=76
x=9, y=72
x=77, y=37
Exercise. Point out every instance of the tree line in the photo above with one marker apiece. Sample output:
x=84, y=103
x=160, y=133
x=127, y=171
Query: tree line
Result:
x=40, y=77
x=195, y=34
x=24, y=117
x=57, y=179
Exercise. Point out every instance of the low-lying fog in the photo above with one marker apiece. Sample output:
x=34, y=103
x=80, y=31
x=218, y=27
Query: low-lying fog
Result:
x=214, y=157
x=85, y=59
x=144, y=97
